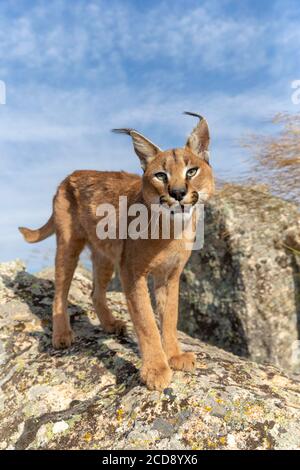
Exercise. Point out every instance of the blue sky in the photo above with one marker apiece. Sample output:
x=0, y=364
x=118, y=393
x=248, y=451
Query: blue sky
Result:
x=73, y=70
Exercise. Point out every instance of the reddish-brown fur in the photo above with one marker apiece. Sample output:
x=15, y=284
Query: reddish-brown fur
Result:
x=74, y=222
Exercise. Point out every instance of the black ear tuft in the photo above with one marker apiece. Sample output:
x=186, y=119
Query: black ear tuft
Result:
x=193, y=114
x=122, y=131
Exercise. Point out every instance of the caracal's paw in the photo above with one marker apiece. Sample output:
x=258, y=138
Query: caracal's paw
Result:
x=62, y=340
x=156, y=377
x=183, y=361
x=118, y=327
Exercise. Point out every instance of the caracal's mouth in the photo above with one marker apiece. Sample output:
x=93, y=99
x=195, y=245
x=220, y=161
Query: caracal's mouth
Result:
x=177, y=209
x=179, y=206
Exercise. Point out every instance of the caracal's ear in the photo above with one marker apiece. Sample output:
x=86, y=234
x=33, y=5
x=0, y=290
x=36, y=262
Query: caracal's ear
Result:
x=198, y=140
x=144, y=148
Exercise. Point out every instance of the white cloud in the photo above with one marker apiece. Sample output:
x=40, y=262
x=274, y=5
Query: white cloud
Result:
x=104, y=35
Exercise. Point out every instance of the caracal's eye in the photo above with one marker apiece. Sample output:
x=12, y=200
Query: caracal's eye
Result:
x=191, y=172
x=161, y=176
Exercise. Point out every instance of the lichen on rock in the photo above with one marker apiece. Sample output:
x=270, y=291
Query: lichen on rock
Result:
x=90, y=396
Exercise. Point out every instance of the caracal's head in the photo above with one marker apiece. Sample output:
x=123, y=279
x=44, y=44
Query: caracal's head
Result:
x=176, y=178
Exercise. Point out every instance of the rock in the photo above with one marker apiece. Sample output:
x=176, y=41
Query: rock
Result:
x=90, y=396
x=60, y=426
x=241, y=292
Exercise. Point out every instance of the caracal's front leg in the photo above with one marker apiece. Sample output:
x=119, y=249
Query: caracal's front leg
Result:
x=155, y=371
x=167, y=293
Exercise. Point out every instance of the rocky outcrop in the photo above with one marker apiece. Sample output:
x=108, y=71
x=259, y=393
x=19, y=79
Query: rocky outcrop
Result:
x=241, y=292
x=90, y=396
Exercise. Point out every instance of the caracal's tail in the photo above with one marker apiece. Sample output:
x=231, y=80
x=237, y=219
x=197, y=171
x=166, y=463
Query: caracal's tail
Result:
x=33, y=236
